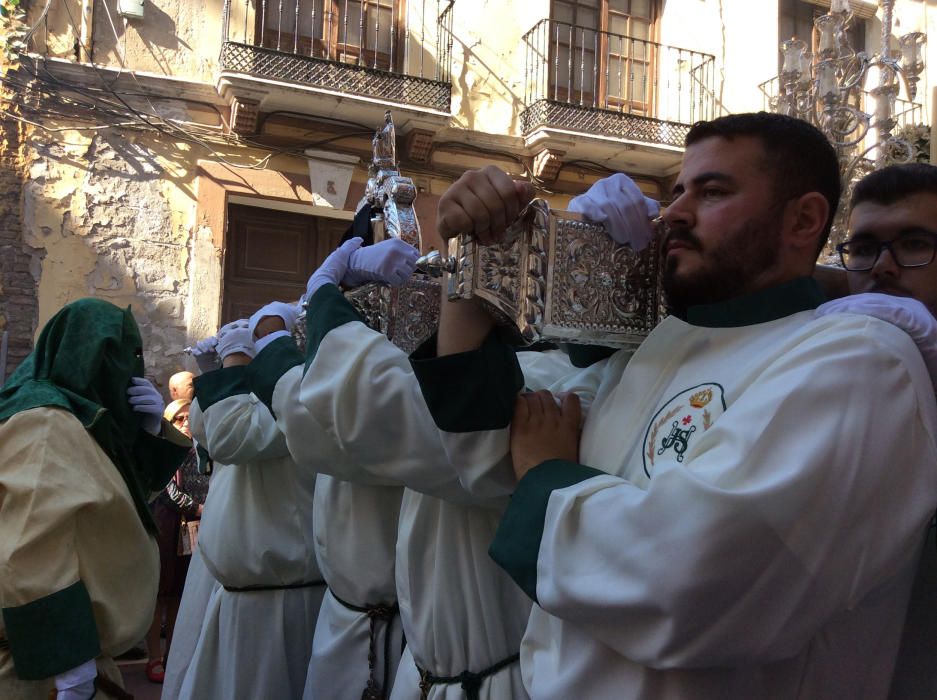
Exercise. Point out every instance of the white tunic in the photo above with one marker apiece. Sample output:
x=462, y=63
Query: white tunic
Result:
x=755, y=526
x=255, y=534
x=359, y=636
x=460, y=612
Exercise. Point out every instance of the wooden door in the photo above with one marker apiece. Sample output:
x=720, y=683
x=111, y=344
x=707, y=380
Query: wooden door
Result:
x=270, y=255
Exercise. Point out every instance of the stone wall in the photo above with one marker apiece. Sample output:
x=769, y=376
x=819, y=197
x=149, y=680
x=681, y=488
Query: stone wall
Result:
x=105, y=215
x=19, y=265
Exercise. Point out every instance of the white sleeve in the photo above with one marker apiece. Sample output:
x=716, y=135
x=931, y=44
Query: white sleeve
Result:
x=471, y=396
x=809, y=492
x=233, y=425
x=361, y=390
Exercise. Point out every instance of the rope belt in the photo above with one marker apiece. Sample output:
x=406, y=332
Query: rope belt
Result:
x=375, y=614
x=471, y=682
x=285, y=587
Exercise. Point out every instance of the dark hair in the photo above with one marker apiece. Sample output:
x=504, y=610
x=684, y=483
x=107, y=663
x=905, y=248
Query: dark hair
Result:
x=894, y=182
x=802, y=158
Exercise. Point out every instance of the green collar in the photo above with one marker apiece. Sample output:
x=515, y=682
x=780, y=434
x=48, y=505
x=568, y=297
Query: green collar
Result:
x=763, y=306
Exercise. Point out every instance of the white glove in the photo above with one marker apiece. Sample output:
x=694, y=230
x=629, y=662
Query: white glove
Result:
x=618, y=203
x=146, y=400
x=235, y=337
x=78, y=683
x=906, y=313
x=288, y=312
x=205, y=353
x=391, y=261
x=334, y=268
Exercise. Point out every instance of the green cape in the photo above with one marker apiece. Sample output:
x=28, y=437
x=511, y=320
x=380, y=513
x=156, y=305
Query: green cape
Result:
x=82, y=363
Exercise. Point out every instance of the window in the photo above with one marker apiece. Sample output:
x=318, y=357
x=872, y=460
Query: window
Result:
x=602, y=53
x=361, y=32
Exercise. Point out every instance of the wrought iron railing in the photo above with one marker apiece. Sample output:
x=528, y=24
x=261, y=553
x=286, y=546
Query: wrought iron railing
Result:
x=386, y=49
x=576, y=76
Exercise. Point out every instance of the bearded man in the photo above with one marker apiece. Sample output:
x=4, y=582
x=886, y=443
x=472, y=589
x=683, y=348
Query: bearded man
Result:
x=729, y=521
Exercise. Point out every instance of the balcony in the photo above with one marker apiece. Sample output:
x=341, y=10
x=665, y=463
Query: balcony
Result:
x=377, y=52
x=584, y=81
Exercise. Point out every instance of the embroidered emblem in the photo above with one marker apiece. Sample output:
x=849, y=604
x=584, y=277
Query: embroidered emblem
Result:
x=701, y=398
x=678, y=422
x=678, y=439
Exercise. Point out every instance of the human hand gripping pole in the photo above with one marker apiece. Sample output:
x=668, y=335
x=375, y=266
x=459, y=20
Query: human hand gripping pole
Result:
x=391, y=261
x=334, y=268
x=235, y=337
x=147, y=401
x=617, y=202
x=205, y=353
x=908, y=314
x=482, y=203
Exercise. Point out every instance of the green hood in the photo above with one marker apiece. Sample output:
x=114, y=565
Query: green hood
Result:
x=82, y=363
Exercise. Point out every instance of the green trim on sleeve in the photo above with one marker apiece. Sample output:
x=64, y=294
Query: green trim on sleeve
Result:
x=219, y=384
x=160, y=457
x=587, y=355
x=271, y=363
x=469, y=391
x=516, y=546
x=53, y=634
x=327, y=309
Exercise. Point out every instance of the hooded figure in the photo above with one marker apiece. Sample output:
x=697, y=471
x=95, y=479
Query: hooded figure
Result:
x=78, y=558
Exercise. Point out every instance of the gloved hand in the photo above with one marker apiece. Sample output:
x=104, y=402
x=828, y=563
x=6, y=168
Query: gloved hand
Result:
x=288, y=312
x=78, y=683
x=235, y=337
x=334, y=268
x=391, y=261
x=908, y=314
x=205, y=353
x=147, y=401
x=618, y=203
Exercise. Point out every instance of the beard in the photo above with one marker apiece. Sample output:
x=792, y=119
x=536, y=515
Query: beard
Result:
x=729, y=265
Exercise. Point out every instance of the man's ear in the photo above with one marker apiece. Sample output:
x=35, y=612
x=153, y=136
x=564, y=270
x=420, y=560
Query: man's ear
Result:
x=805, y=219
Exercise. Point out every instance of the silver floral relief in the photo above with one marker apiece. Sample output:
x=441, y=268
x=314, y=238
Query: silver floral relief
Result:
x=415, y=313
x=604, y=280
x=371, y=301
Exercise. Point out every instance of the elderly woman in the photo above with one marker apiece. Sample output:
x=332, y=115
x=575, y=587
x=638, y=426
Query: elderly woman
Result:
x=80, y=453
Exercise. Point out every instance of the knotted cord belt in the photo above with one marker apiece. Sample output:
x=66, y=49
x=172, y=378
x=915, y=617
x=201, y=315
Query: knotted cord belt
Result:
x=284, y=587
x=375, y=614
x=471, y=682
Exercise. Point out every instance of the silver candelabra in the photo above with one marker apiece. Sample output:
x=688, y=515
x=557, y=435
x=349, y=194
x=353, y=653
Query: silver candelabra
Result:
x=826, y=89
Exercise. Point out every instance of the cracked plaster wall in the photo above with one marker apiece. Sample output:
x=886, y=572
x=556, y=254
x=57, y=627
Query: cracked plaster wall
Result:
x=104, y=216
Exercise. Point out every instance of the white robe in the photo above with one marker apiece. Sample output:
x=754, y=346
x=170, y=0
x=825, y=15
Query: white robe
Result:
x=460, y=612
x=755, y=526
x=255, y=532
x=359, y=637
x=199, y=587
x=355, y=528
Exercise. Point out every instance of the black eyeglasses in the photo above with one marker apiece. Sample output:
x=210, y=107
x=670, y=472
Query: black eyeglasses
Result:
x=911, y=249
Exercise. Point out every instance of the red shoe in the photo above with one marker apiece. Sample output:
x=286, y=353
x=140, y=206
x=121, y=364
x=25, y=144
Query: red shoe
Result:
x=155, y=671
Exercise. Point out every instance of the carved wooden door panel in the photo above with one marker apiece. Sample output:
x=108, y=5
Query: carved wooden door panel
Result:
x=269, y=256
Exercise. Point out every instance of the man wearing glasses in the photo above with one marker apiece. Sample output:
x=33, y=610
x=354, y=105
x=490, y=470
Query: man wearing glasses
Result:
x=891, y=251
x=894, y=210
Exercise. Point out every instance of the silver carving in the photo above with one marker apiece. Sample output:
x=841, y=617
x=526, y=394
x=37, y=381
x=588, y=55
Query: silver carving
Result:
x=407, y=315
x=557, y=277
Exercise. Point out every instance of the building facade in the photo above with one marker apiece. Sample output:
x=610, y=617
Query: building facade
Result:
x=195, y=160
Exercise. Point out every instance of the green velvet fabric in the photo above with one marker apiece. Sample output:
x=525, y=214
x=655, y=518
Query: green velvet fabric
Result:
x=83, y=362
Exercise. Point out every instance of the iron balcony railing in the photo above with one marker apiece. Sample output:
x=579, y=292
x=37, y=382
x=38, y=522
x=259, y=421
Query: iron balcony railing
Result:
x=396, y=50
x=589, y=80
